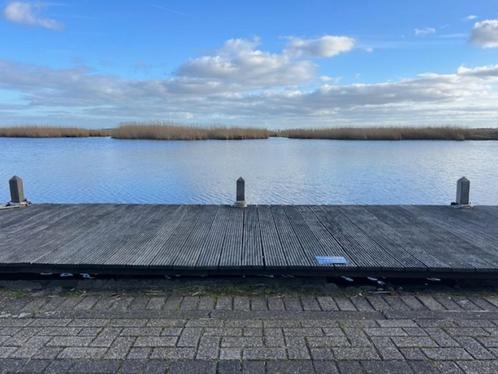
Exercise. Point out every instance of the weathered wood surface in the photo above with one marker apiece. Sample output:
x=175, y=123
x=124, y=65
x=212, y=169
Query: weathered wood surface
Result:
x=395, y=240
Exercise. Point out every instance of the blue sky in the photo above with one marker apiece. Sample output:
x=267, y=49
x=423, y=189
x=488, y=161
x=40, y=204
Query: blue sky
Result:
x=259, y=63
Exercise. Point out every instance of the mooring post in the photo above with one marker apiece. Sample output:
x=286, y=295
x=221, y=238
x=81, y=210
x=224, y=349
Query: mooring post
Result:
x=241, y=193
x=16, y=190
x=462, y=192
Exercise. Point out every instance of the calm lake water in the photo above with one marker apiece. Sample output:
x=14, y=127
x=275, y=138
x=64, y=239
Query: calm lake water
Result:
x=276, y=171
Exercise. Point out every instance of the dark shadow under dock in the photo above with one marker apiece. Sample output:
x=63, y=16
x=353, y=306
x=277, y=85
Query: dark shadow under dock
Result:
x=397, y=241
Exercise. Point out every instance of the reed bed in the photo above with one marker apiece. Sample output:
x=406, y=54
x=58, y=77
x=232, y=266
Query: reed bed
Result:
x=169, y=131
x=50, y=132
x=393, y=133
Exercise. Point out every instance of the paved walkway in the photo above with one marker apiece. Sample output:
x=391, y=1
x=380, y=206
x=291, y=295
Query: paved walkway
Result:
x=296, y=328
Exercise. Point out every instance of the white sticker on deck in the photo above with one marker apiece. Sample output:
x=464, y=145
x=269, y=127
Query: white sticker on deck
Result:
x=331, y=260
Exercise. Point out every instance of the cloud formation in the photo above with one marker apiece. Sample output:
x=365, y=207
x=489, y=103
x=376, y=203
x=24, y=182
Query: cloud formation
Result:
x=241, y=84
x=485, y=33
x=241, y=65
x=28, y=14
x=326, y=46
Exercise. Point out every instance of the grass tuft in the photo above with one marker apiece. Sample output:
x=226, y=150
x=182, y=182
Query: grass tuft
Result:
x=50, y=132
x=171, y=131
x=392, y=133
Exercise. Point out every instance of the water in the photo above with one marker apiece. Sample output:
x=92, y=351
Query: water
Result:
x=277, y=171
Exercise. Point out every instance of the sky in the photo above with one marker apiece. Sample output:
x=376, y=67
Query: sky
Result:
x=275, y=64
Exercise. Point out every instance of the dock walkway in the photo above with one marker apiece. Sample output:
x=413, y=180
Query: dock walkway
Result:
x=404, y=241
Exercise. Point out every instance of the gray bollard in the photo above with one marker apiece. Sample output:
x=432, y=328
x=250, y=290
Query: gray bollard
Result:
x=241, y=193
x=463, y=192
x=16, y=190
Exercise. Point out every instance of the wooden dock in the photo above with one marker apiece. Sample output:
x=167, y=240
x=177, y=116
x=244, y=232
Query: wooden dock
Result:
x=396, y=241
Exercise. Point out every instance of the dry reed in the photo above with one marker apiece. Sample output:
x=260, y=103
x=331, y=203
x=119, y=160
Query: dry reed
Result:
x=171, y=131
x=393, y=133
x=50, y=132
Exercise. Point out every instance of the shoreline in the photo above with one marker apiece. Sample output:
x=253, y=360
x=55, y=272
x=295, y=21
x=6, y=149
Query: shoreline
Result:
x=188, y=133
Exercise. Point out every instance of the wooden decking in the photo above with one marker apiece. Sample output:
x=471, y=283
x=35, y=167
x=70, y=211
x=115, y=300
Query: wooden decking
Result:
x=190, y=239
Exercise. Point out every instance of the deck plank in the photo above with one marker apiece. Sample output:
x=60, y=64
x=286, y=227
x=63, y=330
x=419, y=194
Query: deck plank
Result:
x=273, y=252
x=231, y=253
x=252, y=249
x=292, y=249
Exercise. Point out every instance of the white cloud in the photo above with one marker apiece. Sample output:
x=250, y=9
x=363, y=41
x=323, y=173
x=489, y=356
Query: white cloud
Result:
x=243, y=85
x=485, y=33
x=240, y=63
x=470, y=17
x=28, y=14
x=326, y=46
x=424, y=31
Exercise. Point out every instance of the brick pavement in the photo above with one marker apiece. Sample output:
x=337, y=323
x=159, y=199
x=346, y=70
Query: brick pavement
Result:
x=51, y=330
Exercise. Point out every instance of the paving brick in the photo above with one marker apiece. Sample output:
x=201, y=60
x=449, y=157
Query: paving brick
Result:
x=155, y=341
x=206, y=303
x=241, y=342
x=7, y=351
x=163, y=322
x=141, y=331
x=47, y=353
x=321, y=354
x=172, y=303
x=189, y=337
x=82, y=352
x=327, y=303
x=364, y=353
x=396, y=323
x=473, y=347
x=303, y=331
x=173, y=353
x=136, y=353
x=413, y=341
x=327, y=341
x=273, y=337
x=43, y=322
x=209, y=347
x=298, y=353
x=447, y=353
x=223, y=331
x=413, y=353
x=70, y=341
x=385, y=331
x=251, y=331
x=230, y=354
x=223, y=303
x=264, y=354
x=89, y=322
x=276, y=303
